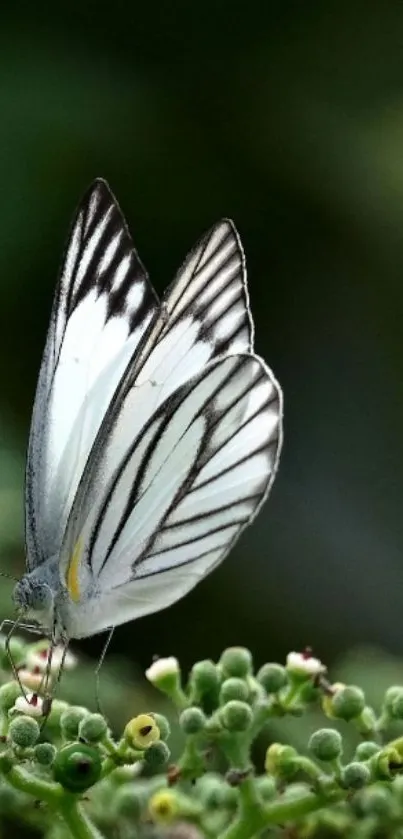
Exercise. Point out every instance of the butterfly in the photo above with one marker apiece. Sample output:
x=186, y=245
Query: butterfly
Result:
x=156, y=430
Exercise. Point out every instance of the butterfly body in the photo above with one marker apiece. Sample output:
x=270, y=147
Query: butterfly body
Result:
x=156, y=429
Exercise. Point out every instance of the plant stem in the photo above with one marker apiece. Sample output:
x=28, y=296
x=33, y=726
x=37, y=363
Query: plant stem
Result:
x=254, y=816
x=76, y=820
x=58, y=799
x=31, y=784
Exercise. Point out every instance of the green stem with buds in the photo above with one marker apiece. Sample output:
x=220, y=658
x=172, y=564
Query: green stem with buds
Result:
x=66, y=804
x=254, y=816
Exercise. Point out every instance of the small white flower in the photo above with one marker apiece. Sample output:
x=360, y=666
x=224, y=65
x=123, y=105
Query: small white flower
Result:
x=31, y=679
x=69, y=662
x=304, y=664
x=161, y=668
x=37, y=659
x=31, y=705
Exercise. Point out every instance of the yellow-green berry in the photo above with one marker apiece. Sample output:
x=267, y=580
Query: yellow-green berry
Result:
x=326, y=744
x=273, y=677
x=164, y=806
x=355, y=775
x=281, y=760
x=141, y=731
x=234, y=688
x=24, y=731
x=192, y=720
x=236, y=715
x=236, y=661
x=93, y=728
x=77, y=767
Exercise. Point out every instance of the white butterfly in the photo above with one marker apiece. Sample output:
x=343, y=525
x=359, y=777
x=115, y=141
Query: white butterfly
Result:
x=156, y=430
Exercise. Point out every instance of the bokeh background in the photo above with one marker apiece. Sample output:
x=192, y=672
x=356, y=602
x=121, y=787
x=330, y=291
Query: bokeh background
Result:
x=288, y=117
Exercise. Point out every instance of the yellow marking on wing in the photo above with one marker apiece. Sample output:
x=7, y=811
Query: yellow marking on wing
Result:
x=73, y=586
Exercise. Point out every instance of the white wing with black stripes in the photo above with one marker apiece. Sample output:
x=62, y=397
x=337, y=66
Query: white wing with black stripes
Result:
x=156, y=430
x=194, y=477
x=102, y=307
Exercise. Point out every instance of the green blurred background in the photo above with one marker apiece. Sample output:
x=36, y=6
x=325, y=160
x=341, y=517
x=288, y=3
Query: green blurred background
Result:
x=288, y=117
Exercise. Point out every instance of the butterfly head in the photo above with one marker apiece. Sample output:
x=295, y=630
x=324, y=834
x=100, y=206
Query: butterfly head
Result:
x=33, y=596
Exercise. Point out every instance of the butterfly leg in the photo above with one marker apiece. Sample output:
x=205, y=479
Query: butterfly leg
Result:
x=98, y=668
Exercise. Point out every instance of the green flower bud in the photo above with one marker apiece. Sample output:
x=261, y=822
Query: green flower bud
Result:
x=295, y=791
x=236, y=661
x=366, y=750
x=214, y=726
x=309, y=692
x=204, y=678
x=45, y=753
x=236, y=715
x=15, y=653
x=392, y=693
x=377, y=801
x=24, y=731
x=10, y=800
x=326, y=744
x=57, y=708
x=70, y=721
x=273, y=677
x=234, y=689
x=163, y=725
x=77, y=767
x=228, y=796
x=92, y=728
x=7, y=761
x=397, y=707
x=157, y=755
x=192, y=720
x=355, y=775
x=366, y=722
x=281, y=760
x=130, y=801
x=209, y=789
x=348, y=702
x=266, y=786
x=8, y=695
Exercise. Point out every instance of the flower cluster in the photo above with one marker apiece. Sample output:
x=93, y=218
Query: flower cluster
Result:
x=102, y=784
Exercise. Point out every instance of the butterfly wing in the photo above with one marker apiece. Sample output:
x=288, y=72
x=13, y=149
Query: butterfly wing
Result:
x=102, y=307
x=179, y=496
x=204, y=314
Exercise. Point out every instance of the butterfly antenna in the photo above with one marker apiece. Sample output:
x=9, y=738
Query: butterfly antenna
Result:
x=9, y=576
x=98, y=670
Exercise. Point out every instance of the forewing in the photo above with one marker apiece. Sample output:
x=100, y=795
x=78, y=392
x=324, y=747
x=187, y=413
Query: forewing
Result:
x=181, y=493
x=204, y=315
x=102, y=307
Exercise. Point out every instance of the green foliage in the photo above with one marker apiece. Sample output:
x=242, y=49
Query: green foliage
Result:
x=127, y=784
